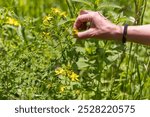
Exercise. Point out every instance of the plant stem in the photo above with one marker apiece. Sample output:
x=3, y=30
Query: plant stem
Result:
x=69, y=7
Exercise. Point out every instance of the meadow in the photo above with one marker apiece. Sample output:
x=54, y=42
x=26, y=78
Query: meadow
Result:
x=40, y=59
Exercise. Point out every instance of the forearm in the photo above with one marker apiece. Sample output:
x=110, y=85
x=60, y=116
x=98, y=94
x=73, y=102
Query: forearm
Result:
x=138, y=34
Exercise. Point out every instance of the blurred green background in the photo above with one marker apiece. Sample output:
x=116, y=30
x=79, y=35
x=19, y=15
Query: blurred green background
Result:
x=40, y=7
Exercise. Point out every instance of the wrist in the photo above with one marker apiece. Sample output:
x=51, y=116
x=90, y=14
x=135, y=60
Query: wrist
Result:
x=117, y=32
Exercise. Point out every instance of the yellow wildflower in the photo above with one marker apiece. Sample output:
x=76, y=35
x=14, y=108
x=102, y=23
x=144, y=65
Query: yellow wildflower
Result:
x=75, y=32
x=45, y=34
x=68, y=73
x=56, y=10
x=63, y=14
x=74, y=76
x=12, y=21
x=60, y=71
x=62, y=89
x=46, y=20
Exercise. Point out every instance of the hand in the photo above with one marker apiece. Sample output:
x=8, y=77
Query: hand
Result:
x=99, y=26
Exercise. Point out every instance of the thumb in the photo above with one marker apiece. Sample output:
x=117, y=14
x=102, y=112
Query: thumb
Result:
x=86, y=34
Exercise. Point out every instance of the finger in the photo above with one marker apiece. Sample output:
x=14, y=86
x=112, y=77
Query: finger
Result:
x=83, y=25
x=86, y=34
x=102, y=16
x=81, y=19
x=84, y=12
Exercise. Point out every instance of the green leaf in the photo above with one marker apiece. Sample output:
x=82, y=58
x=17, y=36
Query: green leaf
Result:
x=82, y=63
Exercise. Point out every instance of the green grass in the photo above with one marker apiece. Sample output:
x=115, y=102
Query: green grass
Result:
x=40, y=58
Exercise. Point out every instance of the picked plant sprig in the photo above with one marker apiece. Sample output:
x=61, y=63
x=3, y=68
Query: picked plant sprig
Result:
x=75, y=32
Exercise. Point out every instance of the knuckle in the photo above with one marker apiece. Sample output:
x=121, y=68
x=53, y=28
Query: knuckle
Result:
x=96, y=13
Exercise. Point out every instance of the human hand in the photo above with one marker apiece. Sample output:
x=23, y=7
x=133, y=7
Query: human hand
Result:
x=99, y=26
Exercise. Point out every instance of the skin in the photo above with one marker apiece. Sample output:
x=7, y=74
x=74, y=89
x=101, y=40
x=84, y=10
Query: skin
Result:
x=101, y=28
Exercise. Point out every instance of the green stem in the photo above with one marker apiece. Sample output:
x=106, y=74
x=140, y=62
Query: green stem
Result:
x=144, y=8
x=128, y=65
x=139, y=78
x=140, y=7
x=70, y=8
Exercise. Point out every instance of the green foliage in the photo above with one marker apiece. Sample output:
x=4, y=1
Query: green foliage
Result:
x=41, y=59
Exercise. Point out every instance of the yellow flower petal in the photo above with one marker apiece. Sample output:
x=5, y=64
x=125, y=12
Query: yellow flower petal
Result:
x=46, y=20
x=63, y=14
x=56, y=10
x=74, y=77
x=75, y=32
x=62, y=89
x=12, y=21
x=60, y=71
